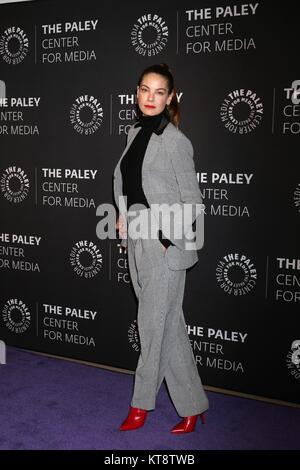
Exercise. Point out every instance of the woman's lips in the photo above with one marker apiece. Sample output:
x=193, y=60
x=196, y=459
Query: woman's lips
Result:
x=149, y=106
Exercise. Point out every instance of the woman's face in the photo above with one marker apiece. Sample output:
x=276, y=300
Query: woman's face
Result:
x=152, y=94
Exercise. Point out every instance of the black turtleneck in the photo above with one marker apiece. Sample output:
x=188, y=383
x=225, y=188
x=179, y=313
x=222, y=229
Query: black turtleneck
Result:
x=131, y=165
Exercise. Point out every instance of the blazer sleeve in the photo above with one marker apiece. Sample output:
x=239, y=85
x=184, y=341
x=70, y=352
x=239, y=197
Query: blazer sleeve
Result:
x=118, y=188
x=182, y=160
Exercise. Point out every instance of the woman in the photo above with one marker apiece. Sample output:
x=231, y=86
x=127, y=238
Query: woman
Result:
x=156, y=170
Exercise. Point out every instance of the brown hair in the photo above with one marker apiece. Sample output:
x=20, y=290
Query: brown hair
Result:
x=163, y=69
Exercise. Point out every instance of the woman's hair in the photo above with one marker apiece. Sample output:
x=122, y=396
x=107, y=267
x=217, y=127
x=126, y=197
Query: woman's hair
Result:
x=163, y=70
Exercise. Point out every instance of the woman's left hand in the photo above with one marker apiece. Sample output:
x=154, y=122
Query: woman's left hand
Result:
x=121, y=226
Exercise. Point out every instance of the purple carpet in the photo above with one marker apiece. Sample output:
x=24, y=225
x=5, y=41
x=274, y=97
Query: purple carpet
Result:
x=48, y=403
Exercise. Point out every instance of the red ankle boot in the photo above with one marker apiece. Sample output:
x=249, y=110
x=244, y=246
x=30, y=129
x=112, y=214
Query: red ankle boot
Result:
x=135, y=419
x=187, y=424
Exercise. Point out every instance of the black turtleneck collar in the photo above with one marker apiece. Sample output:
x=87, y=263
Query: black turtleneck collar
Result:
x=154, y=123
x=150, y=122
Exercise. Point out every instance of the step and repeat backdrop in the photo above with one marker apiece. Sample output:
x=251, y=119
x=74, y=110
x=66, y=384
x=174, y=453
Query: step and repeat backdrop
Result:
x=68, y=74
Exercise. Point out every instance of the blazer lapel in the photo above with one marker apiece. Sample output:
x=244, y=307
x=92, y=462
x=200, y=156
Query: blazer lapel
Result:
x=152, y=147
x=151, y=150
x=134, y=132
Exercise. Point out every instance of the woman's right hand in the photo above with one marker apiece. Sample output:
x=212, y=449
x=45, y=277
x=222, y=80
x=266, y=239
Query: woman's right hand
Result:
x=121, y=226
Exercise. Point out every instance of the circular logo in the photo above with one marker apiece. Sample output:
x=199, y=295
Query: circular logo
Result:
x=133, y=336
x=14, y=184
x=241, y=111
x=86, y=259
x=293, y=359
x=86, y=115
x=149, y=35
x=16, y=316
x=297, y=197
x=13, y=45
x=236, y=274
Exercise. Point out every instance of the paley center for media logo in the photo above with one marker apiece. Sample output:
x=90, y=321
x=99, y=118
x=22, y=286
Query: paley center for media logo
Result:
x=133, y=336
x=14, y=184
x=241, y=111
x=236, y=274
x=293, y=359
x=86, y=114
x=14, y=45
x=296, y=197
x=86, y=259
x=16, y=316
x=149, y=34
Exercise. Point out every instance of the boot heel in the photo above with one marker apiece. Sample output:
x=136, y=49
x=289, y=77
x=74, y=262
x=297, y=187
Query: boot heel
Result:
x=187, y=424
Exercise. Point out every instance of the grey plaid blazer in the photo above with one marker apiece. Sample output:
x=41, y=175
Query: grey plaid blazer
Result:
x=169, y=177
